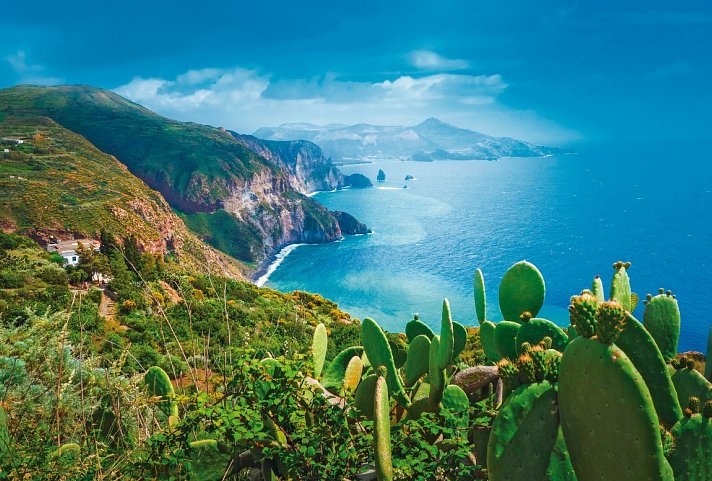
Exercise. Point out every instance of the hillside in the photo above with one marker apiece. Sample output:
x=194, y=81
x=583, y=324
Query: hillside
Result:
x=238, y=200
x=57, y=183
x=427, y=141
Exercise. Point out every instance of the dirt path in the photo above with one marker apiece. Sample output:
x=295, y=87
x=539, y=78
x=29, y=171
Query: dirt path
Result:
x=107, y=310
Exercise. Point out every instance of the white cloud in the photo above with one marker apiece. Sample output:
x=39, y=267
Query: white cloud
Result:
x=245, y=100
x=29, y=73
x=430, y=60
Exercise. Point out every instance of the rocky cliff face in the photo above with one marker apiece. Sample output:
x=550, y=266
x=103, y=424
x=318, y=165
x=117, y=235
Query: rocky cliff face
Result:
x=310, y=170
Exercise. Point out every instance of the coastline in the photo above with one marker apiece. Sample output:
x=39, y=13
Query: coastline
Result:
x=274, y=262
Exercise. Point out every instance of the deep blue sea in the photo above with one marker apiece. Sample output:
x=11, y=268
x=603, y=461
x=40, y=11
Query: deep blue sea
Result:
x=571, y=215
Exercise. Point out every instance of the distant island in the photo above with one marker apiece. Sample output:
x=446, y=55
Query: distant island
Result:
x=428, y=141
x=381, y=177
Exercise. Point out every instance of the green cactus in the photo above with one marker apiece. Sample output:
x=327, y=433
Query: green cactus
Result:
x=363, y=398
x=379, y=353
x=521, y=290
x=610, y=320
x=435, y=374
x=319, y=346
x=335, y=372
x=159, y=384
x=5, y=443
x=597, y=289
x=209, y=460
x=418, y=360
x=382, y=431
x=688, y=382
x=708, y=357
x=661, y=318
x=505, y=336
x=690, y=457
x=352, y=375
x=643, y=352
x=480, y=297
x=582, y=313
x=560, y=468
x=399, y=353
x=455, y=399
x=447, y=337
x=607, y=415
x=460, y=333
x=416, y=327
x=620, y=285
x=524, y=434
x=534, y=330
x=487, y=339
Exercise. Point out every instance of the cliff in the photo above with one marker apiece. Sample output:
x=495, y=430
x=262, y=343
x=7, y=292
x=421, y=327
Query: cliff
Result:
x=234, y=197
x=349, y=225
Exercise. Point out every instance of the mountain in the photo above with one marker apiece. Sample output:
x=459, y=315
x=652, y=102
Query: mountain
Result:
x=56, y=183
x=429, y=140
x=245, y=202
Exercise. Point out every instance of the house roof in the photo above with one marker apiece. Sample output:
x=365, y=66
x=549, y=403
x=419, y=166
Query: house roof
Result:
x=68, y=246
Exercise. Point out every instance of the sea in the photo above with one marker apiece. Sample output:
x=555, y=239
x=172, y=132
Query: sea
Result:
x=572, y=215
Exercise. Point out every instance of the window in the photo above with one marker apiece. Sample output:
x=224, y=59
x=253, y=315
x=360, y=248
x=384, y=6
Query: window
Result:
x=74, y=258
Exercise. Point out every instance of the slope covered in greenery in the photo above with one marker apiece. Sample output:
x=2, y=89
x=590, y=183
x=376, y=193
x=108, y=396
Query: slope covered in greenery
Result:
x=57, y=183
x=197, y=168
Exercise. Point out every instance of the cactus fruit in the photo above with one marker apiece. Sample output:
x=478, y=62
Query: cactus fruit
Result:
x=416, y=327
x=379, y=354
x=524, y=434
x=319, y=345
x=597, y=289
x=363, y=398
x=527, y=369
x=688, y=382
x=480, y=297
x=643, y=352
x=690, y=457
x=435, y=374
x=487, y=339
x=534, y=330
x=607, y=415
x=505, y=339
x=582, y=313
x=521, y=290
x=159, y=384
x=447, y=337
x=708, y=357
x=382, y=431
x=611, y=318
x=460, y=333
x=418, y=359
x=620, y=285
x=335, y=372
x=509, y=372
x=661, y=318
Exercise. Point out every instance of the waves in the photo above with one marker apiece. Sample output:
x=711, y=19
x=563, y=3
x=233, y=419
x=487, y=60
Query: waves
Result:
x=278, y=259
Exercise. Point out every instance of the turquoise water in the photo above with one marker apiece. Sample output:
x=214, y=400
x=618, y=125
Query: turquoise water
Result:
x=571, y=215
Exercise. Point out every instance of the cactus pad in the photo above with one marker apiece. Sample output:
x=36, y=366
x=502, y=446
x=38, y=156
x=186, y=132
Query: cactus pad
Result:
x=382, y=431
x=536, y=330
x=521, y=290
x=418, y=359
x=480, y=297
x=435, y=374
x=447, y=337
x=597, y=289
x=319, y=345
x=460, y=338
x=363, y=399
x=690, y=457
x=620, y=285
x=661, y=318
x=489, y=346
x=379, y=354
x=505, y=339
x=415, y=328
x=335, y=372
x=159, y=384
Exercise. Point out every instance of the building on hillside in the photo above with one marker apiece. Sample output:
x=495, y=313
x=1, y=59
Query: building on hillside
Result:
x=68, y=249
x=14, y=140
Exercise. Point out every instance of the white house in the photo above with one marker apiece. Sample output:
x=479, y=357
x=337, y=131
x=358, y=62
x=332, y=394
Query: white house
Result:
x=15, y=140
x=68, y=249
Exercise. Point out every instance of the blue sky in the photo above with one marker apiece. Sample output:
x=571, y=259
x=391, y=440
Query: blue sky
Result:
x=545, y=71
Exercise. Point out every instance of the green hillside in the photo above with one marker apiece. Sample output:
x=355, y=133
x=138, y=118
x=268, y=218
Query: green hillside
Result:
x=57, y=183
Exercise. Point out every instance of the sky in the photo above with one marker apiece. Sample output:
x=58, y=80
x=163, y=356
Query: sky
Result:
x=551, y=72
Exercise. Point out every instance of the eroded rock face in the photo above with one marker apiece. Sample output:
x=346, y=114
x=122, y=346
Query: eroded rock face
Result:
x=349, y=224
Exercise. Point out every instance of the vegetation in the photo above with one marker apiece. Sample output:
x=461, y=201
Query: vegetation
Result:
x=206, y=378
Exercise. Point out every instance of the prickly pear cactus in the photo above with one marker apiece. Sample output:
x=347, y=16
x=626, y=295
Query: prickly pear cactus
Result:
x=560, y=468
x=447, y=337
x=524, y=434
x=600, y=388
x=382, y=431
x=480, y=297
x=505, y=339
x=319, y=345
x=534, y=330
x=159, y=384
x=489, y=345
x=521, y=290
x=335, y=372
x=435, y=374
x=416, y=327
x=643, y=352
x=708, y=357
x=597, y=289
x=661, y=318
x=4, y=434
x=460, y=333
x=688, y=382
x=363, y=399
x=582, y=313
x=620, y=285
x=379, y=354
x=418, y=360
x=690, y=457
